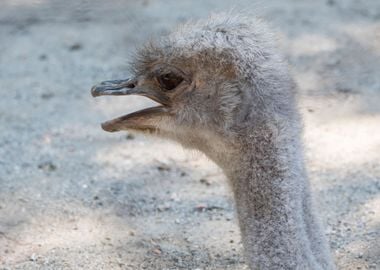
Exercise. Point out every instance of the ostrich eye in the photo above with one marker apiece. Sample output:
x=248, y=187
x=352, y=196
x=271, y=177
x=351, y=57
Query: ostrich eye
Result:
x=169, y=81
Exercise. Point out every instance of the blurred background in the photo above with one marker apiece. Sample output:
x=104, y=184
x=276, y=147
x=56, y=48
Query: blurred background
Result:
x=75, y=197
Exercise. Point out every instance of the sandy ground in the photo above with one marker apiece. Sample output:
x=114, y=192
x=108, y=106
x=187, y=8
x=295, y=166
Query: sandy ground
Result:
x=75, y=197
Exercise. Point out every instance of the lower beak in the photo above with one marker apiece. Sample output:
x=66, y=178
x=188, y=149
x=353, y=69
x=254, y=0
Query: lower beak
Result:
x=146, y=120
x=143, y=120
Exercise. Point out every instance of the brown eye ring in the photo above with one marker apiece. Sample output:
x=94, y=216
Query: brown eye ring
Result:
x=169, y=81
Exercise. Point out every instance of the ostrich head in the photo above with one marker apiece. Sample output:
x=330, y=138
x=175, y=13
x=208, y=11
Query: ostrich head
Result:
x=215, y=80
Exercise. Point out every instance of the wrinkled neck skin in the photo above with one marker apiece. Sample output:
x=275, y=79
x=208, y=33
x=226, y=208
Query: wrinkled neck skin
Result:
x=278, y=225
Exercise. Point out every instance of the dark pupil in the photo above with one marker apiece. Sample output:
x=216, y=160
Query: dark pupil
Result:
x=169, y=81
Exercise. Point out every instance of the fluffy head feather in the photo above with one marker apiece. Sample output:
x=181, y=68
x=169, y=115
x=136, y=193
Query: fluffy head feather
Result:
x=237, y=77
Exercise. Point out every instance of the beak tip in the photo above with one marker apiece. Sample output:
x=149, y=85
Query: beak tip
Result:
x=94, y=93
x=107, y=127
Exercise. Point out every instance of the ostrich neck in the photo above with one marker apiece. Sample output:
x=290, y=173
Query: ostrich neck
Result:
x=271, y=191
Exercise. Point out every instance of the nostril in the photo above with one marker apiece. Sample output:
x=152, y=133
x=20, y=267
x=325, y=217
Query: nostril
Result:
x=131, y=85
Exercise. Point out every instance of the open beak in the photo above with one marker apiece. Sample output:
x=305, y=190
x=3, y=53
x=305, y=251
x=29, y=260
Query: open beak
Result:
x=144, y=120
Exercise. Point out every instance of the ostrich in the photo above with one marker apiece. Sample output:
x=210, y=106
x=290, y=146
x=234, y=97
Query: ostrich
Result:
x=225, y=90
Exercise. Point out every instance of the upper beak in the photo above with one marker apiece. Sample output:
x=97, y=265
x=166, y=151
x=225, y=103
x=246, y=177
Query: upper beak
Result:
x=127, y=87
x=115, y=87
